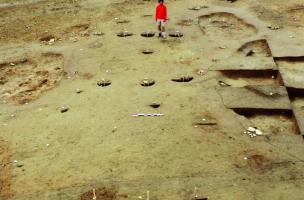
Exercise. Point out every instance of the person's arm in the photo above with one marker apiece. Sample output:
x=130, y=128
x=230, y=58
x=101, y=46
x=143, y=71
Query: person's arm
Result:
x=156, y=13
x=166, y=14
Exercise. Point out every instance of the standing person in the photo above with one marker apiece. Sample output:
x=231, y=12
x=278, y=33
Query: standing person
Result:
x=161, y=17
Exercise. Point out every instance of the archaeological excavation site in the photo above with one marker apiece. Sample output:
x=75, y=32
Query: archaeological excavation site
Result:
x=151, y=100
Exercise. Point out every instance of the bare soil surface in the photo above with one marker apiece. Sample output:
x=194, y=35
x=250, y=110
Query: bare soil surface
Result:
x=6, y=171
x=69, y=89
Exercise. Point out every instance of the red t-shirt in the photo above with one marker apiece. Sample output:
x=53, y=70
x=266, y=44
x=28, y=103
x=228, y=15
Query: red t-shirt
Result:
x=161, y=12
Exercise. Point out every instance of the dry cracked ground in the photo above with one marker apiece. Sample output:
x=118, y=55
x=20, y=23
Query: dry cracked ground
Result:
x=69, y=87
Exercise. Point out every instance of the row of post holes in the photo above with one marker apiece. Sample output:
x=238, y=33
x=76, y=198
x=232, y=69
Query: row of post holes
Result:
x=147, y=82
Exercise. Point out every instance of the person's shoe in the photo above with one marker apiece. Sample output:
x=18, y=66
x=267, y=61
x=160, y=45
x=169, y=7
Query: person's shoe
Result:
x=159, y=34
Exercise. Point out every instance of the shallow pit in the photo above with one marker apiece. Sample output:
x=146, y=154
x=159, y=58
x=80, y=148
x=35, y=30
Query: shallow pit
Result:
x=147, y=82
x=148, y=34
x=104, y=83
x=176, y=34
x=225, y=24
x=183, y=79
x=147, y=51
x=155, y=105
x=124, y=34
x=256, y=48
x=25, y=79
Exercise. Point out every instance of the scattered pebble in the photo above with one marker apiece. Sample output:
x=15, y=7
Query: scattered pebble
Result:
x=258, y=132
x=51, y=41
x=253, y=132
x=114, y=129
x=201, y=72
x=295, y=19
x=251, y=129
x=78, y=91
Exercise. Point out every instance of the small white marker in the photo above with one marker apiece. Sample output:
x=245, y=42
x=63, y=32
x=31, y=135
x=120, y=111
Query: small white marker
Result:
x=148, y=195
x=94, y=195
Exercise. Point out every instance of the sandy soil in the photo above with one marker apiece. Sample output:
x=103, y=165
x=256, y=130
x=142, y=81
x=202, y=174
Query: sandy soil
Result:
x=52, y=55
